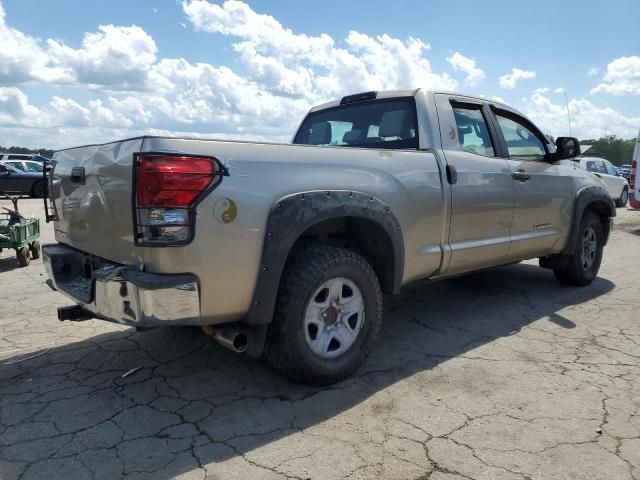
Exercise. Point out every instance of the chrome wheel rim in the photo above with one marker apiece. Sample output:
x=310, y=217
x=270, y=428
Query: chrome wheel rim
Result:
x=334, y=317
x=625, y=197
x=589, y=248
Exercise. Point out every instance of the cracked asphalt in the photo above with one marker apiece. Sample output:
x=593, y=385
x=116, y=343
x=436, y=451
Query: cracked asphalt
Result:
x=503, y=374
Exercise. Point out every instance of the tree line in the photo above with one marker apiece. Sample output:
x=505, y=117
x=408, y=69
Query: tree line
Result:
x=45, y=152
x=614, y=149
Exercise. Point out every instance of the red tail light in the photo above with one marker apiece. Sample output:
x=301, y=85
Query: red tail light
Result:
x=167, y=188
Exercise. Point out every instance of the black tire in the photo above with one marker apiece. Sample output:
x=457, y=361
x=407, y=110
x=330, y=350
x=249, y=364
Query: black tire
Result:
x=576, y=271
x=624, y=198
x=37, y=189
x=34, y=248
x=286, y=347
x=23, y=256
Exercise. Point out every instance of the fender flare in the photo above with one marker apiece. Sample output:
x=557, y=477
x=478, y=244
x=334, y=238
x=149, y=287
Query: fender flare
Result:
x=586, y=197
x=294, y=214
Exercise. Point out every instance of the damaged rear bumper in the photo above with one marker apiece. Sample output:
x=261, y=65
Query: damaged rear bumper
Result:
x=122, y=294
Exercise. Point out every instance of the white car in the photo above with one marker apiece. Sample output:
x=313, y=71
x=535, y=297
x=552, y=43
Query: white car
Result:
x=23, y=162
x=617, y=186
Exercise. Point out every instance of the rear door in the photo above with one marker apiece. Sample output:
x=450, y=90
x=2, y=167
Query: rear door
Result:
x=543, y=189
x=12, y=180
x=482, y=193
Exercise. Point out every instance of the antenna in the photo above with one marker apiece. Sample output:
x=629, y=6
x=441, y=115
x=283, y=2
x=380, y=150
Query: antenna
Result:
x=568, y=114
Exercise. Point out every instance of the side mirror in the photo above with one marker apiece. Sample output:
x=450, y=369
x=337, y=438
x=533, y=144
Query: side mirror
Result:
x=567, y=147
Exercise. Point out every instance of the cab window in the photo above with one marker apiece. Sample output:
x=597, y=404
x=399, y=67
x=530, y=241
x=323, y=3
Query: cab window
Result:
x=522, y=142
x=596, y=166
x=380, y=123
x=473, y=134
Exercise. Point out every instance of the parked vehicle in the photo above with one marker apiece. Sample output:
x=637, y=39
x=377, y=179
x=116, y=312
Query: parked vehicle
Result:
x=634, y=184
x=24, y=165
x=625, y=171
x=33, y=157
x=14, y=180
x=285, y=250
x=617, y=186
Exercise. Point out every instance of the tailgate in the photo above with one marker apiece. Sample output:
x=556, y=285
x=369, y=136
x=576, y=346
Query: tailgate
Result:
x=91, y=192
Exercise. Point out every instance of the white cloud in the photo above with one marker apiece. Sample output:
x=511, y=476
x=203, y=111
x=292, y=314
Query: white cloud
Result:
x=128, y=89
x=510, y=80
x=558, y=90
x=542, y=90
x=21, y=58
x=593, y=71
x=622, y=77
x=315, y=67
x=114, y=57
x=467, y=65
x=15, y=108
x=587, y=119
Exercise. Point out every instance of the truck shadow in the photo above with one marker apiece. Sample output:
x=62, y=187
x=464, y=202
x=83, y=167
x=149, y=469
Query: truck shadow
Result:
x=193, y=399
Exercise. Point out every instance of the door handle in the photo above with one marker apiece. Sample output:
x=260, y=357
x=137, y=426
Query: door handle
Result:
x=77, y=175
x=452, y=174
x=521, y=175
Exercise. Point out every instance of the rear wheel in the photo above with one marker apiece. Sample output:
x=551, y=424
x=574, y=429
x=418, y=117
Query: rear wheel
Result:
x=583, y=265
x=37, y=190
x=328, y=316
x=23, y=256
x=624, y=198
x=34, y=248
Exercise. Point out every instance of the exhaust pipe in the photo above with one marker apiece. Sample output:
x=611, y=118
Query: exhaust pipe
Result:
x=230, y=337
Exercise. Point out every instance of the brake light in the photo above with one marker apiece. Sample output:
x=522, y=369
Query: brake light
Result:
x=167, y=188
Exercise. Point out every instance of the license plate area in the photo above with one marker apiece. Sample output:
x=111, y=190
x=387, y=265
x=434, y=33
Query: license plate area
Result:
x=72, y=272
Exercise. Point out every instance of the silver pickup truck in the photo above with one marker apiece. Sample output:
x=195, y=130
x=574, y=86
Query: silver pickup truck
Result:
x=285, y=250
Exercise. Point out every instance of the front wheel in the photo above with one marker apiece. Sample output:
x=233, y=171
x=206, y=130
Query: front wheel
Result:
x=582, y=266
x=23, y=256
x=328, y=315
x=624, y=198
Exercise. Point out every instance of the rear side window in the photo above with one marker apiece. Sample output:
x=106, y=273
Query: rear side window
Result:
x=473, y=134
x=16, y=165
x=388, y=124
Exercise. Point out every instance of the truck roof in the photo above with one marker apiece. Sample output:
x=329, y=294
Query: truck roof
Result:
x=408, y=93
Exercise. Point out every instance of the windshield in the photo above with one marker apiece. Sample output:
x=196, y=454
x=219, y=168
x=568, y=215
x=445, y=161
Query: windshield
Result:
x=372, y=124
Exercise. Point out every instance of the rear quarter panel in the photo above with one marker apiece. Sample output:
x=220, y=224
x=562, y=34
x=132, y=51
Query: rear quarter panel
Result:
x=226, y=256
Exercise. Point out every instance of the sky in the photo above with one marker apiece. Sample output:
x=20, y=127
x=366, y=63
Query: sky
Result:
x=76, y=72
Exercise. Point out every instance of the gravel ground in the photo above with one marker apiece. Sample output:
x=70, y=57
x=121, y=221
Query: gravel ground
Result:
x=499, y=375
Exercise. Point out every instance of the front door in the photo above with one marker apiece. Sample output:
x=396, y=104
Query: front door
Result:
x=543, y=190
x=482, y=195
